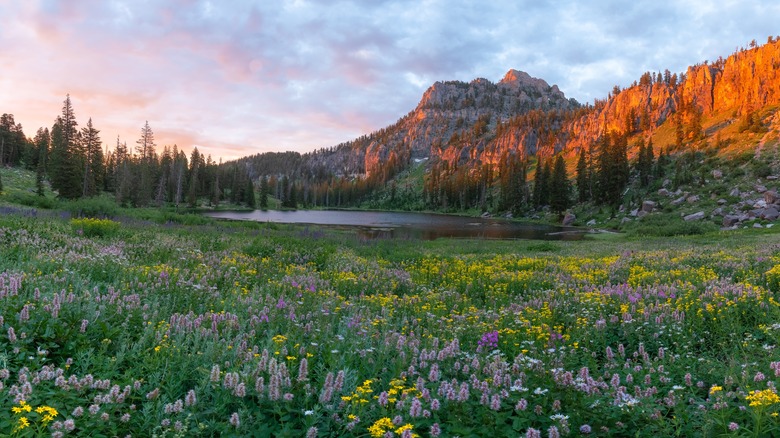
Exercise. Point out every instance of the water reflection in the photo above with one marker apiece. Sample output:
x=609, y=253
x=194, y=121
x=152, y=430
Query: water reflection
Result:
x=425, y=226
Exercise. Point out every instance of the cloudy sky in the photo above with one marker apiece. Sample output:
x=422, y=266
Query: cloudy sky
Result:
x=241, y=77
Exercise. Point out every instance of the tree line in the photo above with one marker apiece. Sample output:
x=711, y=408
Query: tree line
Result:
x=76, y=165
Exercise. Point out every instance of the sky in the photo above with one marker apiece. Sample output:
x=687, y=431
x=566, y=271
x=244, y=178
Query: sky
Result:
x=236, y=78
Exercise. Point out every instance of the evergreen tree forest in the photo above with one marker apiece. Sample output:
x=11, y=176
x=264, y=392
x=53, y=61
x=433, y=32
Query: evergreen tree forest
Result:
x=73, y=160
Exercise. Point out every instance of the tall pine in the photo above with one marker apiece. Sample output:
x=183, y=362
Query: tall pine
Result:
x=66, y=169
x=560, y=189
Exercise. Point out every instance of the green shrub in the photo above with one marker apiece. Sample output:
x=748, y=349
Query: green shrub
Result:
x=31, y=200
x=92, y=207
x=91, y=227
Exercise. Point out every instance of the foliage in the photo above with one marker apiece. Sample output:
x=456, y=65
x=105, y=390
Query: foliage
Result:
x=92, y=207
x=91, y=227
x=238, y=329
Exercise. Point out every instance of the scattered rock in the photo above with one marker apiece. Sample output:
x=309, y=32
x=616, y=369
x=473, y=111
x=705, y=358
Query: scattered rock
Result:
x=770, y=214
x=625, y=219
x=757, y=225
x=770, y=225
x=667, y=182
x=734, y=192
x=699, y=215
x=759, y=188
x=569, y=219
x=730, y=220
x=648, y=206
x=679, y=200
x=634, y=212
x=759, y=204
x=642, y=214
x=591, y=223
x=717, y=212
x=692, y=199
x=771, y=178
x=486, y=214
x=722, y=201
x=717, y=174
x=664, y=192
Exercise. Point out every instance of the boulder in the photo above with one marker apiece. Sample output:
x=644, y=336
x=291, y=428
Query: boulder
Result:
x=771, y=197
x=734, y=192
x=730, y=220
x=692, y=199
x=771, y=178
x=664, y=192
x=568, y=219
x=679, y=200
x=633, y=212
x=648, y=206
x=699, y=215
x=722, y=201
x=759, y=188
x=770, y=214
x=759, y=204
x=591, y=223
x=642, y=214
x=757, y=225
x=717, y=212
x=717, y=174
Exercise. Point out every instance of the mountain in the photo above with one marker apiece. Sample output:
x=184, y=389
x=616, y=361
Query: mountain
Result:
x=480, y=123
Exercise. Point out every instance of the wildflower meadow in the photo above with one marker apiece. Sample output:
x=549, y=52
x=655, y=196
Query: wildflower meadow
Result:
x=122, y=328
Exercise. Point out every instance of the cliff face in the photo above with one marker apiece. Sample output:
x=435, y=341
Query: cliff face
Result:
x=478, y=122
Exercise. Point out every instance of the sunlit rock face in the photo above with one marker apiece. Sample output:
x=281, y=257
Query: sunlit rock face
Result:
x=480, y=121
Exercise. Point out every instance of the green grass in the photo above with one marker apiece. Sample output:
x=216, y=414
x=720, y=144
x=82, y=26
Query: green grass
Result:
x=295, y=330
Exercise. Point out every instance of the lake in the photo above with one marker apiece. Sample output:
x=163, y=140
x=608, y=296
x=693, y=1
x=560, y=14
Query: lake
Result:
x=426, y=226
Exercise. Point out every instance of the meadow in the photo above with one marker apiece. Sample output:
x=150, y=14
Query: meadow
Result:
x=130, y=328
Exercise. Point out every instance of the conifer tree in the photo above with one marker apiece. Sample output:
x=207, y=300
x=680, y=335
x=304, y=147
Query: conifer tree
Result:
x=65, y=161
x=583, y=177
x=93, y=160
x=147, y=159
x=192, y=192
x=249, y=194
x=560, y=189
x=541, y=184
x=264, y=193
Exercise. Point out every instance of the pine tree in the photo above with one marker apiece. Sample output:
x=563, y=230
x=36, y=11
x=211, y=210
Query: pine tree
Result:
x=264, y=193
x=613, y=169
x=249, y=194
x=583, y=177
x=65, y=161
x=147, y=159
x=93, y=160
x=541, y=184
x=560, y=189
x=195, y=164
x=644, y=164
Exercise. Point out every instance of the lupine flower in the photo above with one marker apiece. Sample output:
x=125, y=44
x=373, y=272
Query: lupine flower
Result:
x=235, y=421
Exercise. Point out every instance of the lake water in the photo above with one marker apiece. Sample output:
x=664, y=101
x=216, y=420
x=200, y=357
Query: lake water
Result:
x=380, y=224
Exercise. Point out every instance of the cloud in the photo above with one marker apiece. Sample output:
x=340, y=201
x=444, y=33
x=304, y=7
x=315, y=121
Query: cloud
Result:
x=237, y=78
